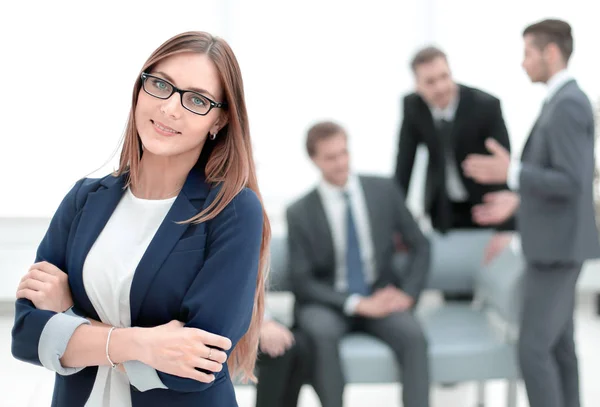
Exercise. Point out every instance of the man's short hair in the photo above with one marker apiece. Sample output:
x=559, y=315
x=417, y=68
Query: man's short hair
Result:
x=425, y=56
x=552, y=31
x=321, y=131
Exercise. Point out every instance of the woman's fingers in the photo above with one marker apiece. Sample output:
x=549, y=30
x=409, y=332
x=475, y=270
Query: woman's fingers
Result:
x=197, y=375
x=31, y=284
x=30, y=294
x=47, y=268
x=37, y=274
x=217, y=355
x=212, y=340
x=205, y=364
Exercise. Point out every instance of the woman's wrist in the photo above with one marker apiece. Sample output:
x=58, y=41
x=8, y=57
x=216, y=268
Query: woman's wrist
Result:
x=126, y=344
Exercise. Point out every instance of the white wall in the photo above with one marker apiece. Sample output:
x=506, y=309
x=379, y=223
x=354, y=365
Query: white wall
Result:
x=70, y=84
x=484, y=43
x=322, y=60
x=67, y=80
x=67, y=71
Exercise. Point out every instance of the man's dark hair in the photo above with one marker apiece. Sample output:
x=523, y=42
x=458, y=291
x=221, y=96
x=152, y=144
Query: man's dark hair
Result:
x=425, y=56
x=552, y=31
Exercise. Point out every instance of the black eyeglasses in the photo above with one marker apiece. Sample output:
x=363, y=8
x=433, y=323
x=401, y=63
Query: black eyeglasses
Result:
x=192, y=101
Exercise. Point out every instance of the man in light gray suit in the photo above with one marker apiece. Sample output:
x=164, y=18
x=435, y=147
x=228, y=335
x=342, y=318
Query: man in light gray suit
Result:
x=556, y=219
x=341, y=246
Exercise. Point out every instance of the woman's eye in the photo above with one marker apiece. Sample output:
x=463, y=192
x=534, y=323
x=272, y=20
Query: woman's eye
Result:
x=160, y=84
x=197, y=101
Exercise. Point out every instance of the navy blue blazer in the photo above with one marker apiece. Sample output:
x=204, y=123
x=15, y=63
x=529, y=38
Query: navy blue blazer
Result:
x=201, y=274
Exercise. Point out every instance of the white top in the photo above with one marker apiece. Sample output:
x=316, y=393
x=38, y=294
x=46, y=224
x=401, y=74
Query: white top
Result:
x=107, y=274
x=454, y=185
x=335, y=209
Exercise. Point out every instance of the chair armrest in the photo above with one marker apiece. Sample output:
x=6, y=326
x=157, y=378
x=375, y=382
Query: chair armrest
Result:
x=499, y=285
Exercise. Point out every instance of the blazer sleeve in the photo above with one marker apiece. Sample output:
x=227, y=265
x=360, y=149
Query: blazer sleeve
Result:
x=419, y=252
x=221, y=298
x=306, y=287
x=408, y=140
x=498, y=131
x=567, y=142
x=40, y=337
x=497, y=127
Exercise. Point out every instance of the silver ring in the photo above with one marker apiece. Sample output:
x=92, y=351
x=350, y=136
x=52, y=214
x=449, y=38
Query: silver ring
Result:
x=209, y=353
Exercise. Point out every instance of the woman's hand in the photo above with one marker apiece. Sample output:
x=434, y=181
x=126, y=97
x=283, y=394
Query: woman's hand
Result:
x=47, y=287
x=176, y=350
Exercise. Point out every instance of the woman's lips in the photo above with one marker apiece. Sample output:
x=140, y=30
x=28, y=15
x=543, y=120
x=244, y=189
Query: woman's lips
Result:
x=163, y=129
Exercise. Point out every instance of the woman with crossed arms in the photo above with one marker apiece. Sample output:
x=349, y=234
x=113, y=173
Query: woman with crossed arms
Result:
x=148, y=280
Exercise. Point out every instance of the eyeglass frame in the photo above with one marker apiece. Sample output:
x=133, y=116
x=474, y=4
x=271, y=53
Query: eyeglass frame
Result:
x=175, y=89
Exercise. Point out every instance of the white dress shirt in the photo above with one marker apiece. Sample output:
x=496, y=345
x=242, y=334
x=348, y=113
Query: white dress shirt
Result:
x=454, y=185
x=557, y=81
x=335, y=210
x=107, y=275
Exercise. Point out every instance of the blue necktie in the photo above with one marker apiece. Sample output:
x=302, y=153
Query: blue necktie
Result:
x=354, y=266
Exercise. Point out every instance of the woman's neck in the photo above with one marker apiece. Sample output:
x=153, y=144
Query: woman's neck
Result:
x=161, y=177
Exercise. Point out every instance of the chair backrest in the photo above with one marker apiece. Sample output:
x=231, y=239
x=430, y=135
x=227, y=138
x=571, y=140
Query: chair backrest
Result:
x=279, y=276
x=456, y=259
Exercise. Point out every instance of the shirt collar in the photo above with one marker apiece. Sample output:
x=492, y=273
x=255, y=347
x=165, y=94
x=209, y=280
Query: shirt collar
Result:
x=448, y=112
x=557, y=81
x=328, y=190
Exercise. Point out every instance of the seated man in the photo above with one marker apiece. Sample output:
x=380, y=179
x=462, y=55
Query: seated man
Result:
x=341, y=245
x=283, y=365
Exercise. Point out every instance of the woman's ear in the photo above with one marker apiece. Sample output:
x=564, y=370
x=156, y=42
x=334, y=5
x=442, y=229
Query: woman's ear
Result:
x=219, y=124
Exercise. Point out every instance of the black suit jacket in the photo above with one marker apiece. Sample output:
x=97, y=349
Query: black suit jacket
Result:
x=478, y=117
x=312, y=254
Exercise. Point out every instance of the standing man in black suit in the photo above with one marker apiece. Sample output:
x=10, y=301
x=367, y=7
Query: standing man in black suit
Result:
x=341, y=247
x=452, y=121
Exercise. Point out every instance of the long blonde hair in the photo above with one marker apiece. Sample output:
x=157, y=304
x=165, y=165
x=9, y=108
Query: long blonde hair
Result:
x=228, y=161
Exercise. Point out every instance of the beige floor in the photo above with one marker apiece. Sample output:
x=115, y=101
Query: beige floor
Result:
x=29, y=386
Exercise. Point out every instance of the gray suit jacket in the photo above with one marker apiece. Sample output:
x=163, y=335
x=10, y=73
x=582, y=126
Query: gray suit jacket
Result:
x=556, y=218
x=312, y=255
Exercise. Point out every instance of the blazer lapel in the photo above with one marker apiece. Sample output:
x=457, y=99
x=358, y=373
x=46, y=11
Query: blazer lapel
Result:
x=431, y=133
x=375, y=226
x=166, y=237
x=97, y=210
x=528, y=141
x=532, y=132
x=323, y=231
x=544, y=106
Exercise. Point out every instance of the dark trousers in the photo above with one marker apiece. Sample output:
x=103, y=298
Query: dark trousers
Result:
x=280, y=379
x=448, y=215
x=401, y=331
x=546, y=345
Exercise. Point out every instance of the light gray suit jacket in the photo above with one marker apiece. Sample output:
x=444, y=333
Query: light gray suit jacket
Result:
x=556, y=218
x=312, y=254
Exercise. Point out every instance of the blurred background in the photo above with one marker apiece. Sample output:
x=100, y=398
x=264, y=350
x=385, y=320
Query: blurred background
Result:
x=69, y=67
